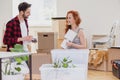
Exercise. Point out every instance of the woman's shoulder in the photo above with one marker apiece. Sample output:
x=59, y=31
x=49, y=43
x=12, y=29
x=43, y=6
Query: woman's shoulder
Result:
x=81, y=31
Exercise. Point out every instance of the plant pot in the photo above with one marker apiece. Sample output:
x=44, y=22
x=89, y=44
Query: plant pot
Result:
x=13, y=77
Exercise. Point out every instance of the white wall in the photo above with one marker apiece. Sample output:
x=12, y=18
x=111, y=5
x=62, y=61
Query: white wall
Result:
x=5, y=15
x=97, y=15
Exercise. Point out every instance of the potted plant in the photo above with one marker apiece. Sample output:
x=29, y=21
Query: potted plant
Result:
x=65, y=63
x=62, y=69
x=14, y=68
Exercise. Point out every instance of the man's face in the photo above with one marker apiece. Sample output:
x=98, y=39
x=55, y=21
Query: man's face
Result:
x=26, y=13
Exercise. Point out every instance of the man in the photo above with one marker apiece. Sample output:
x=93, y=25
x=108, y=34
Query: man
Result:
x=17, y=28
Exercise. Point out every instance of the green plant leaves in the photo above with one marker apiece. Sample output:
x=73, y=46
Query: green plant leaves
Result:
x=65, y=59
x=65, y=65
x=65, y=62
x=24, y=58
x=57, y=64
x=18, y=59
x=19, y=48
x=18, y=69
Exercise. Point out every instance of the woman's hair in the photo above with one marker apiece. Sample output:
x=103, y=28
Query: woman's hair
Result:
x=76, y=16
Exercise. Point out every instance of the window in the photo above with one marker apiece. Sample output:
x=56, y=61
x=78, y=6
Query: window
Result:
x=41, y=11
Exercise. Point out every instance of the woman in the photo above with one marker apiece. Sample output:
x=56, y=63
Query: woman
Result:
x=72, y=22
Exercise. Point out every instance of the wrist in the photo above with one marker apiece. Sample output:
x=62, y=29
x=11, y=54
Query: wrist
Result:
x=20, y=39
x=71, y=44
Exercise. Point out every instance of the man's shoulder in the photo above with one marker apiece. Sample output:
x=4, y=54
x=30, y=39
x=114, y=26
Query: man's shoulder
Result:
x=15, y=19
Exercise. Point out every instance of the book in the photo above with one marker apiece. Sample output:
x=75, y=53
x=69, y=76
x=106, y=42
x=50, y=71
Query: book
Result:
x=69, y=36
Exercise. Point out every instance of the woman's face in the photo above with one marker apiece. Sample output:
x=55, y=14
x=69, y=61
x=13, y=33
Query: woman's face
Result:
x=70, y=19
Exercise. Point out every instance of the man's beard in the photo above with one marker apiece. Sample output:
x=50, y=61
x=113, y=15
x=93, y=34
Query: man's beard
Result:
x=24, y=16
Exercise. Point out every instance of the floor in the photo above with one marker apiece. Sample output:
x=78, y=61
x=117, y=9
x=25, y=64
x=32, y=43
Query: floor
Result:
x=92, y=75
x=100, y=75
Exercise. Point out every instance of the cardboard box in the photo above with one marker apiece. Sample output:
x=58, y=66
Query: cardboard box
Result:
x=45, y=40
x=43, y=51
x=59, y=41
x=58, y=25
x=98, y=37
x=3, y=49
x=34, y=77
x=38, y=60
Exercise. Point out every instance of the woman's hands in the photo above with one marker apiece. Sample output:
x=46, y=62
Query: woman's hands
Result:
x=69, y=44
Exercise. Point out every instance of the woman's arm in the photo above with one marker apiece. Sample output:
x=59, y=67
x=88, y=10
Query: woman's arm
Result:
x=82, y=44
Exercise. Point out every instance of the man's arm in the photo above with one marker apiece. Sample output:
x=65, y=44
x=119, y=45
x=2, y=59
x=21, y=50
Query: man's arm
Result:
x=9, y=38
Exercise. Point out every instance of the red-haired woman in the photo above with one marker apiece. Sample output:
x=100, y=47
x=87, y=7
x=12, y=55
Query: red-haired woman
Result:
x=73, y=22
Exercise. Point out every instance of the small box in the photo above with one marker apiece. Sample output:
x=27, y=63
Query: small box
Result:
x=3, y=49
x=48, y=72
x=116, y=68
x=45, y=40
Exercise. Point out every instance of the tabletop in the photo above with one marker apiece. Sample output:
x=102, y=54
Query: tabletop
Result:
x=13, y=54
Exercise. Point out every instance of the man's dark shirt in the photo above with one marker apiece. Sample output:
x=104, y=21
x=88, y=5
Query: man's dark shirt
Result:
x=13, y=32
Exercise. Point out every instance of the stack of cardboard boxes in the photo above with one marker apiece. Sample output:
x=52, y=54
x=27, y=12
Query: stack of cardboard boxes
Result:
x=46, y=43
x=58, y=26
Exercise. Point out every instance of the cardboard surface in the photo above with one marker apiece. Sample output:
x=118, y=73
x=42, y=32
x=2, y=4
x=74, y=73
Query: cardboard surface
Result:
x=38, y=60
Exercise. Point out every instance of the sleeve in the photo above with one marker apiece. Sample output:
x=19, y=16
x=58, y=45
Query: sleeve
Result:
x=9, y=38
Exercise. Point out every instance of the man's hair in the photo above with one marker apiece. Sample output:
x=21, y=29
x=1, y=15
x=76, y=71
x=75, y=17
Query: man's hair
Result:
x=23, y=6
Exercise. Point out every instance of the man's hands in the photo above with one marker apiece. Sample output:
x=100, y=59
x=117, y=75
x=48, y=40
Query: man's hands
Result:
x=27, y=38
